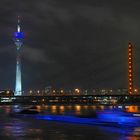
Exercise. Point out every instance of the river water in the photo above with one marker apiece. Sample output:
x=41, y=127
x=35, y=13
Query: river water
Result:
x=13, y=128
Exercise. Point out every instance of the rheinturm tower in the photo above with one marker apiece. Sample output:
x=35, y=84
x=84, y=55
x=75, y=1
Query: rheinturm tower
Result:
x=18, y=40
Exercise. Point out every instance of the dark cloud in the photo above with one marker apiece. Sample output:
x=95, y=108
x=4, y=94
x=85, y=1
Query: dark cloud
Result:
x=70, y=43
x=34, y=54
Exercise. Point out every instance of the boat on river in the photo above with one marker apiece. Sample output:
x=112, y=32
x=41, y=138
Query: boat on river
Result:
x=108, y=118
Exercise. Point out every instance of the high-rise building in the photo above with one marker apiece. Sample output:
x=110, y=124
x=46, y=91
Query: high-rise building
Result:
x=18, y=40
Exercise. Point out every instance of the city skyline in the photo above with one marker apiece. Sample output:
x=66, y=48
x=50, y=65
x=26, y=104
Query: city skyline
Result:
x=69, y=69
x=70, y=44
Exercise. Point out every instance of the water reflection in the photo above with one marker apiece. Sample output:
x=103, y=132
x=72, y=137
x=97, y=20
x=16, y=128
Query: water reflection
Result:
x=61, y=109
x=38, y=107
x=7, y=109
x=85, y=106
x=54, y=111
x=16, y=129
x=41, y=130
x=133, y=109
x=77, y=109
x=94, y=107
x=69, y=107
x=102, y=107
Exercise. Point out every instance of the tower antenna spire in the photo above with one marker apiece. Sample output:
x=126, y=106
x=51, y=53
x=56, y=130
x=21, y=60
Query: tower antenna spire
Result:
x=18, y=25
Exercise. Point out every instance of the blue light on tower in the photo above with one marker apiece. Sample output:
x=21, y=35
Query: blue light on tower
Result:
x=18, y=39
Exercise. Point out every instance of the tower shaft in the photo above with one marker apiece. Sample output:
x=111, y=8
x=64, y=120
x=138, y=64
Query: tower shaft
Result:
x=18, y=85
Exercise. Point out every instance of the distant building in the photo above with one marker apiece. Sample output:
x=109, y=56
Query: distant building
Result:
x=6, y=93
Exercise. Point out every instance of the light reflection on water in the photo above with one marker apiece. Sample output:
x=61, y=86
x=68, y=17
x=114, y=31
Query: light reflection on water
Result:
x=30, y=129
x=132, y=109
x=78, y=109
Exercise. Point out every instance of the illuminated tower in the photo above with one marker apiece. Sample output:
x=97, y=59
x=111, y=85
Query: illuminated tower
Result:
x=18, y=39
x=130, y=69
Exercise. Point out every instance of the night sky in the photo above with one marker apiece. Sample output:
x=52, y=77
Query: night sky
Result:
x=68, y=44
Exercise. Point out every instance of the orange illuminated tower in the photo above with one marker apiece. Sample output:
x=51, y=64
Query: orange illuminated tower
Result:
x=130, y=69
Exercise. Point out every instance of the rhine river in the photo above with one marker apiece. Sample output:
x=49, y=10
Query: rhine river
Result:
x=14, y=128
